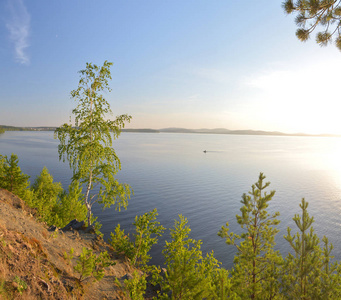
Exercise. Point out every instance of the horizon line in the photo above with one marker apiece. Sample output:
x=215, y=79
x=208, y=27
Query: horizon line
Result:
x=217, y=130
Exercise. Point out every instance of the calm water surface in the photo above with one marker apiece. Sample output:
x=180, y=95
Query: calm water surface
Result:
x=171, y=172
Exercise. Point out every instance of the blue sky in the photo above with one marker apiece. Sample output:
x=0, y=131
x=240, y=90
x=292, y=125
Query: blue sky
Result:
x=189, y=63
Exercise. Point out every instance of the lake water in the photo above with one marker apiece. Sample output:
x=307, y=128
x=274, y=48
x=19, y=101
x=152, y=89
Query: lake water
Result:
x=171, y=172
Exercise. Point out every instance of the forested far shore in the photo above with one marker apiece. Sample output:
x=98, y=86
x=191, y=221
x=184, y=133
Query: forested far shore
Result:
x=4, y=128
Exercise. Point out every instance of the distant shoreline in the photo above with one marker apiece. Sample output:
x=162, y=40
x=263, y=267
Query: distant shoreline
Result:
x=184, y=130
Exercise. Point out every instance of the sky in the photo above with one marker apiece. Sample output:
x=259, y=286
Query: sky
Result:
x=190, y=63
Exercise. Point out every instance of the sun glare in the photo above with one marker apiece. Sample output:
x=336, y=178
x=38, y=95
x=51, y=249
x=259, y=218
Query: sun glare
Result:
x=301, y=98
x=332, y=158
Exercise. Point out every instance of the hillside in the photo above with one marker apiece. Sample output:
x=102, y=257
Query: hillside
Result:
x=237, y=132
x=183, y=130
x=32, y=263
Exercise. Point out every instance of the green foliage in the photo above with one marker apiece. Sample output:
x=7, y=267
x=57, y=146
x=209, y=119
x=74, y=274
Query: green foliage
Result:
x=21, y=285
x=88, y=144
x=147, y=231
x=2, y=169
x=71, y=205
x=2, y=130
x=330, y=273
x=309, y=273
x=121, y=242
x=221, y=287
x=90, y=264
x=45, y=197
x=317, y=13
x=146, y=235
x=13, y=128
x=3, y=289
x=97, y=226
x=256, y=269
x=69, y=256
x=54, y=234
x=11, y=176
x=44, y=187
x=188, y=274
x=135, y=287
x=54, y=205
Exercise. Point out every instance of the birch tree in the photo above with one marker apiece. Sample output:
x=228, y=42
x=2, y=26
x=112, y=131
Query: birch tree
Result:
x=87, y=144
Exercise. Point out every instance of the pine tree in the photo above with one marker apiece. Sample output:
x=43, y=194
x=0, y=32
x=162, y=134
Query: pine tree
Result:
x=11, y=176
x=46, y=196
x=309, y=273
x=330, y=278
x=190, y=275
x=91, y=264
x=221, y=285
x=315, y=13
x=256, y=270
x=147, y=231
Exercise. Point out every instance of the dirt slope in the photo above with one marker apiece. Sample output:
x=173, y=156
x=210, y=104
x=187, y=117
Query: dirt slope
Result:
x=32, y=263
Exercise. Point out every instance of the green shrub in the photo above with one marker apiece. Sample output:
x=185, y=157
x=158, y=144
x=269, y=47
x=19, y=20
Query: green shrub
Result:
x=55, y=206
x=188, y=274
x=147, y=231
x=135, y=287
x=90, y=264
x=70, y=205
x=21, y=285
x=46, y=196
x=69, y=256
x=11, y=176
x=121, y=242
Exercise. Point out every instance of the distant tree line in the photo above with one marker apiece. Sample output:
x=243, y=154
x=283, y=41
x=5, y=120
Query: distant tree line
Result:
x=14, y=128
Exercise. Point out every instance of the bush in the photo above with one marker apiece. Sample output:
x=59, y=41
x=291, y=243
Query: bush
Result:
x=190, y=275
x=46, y=196
x=70, y=205
x=90, y=264
x=135, y=287
x=147, y=231
x=11, y=176
x=54, y=205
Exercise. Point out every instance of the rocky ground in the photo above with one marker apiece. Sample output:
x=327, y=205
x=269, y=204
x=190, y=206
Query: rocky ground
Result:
x=33, y=264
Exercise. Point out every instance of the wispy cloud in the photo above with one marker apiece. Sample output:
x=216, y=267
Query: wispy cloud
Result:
x=18, y=25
